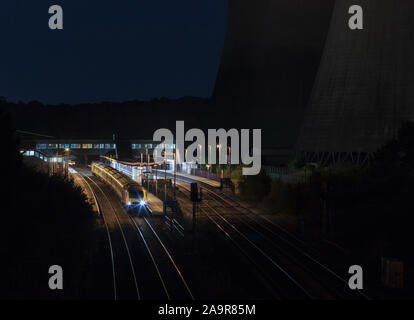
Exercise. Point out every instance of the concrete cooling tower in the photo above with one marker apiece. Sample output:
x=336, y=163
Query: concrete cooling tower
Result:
x=364, y=89
x=270, y=58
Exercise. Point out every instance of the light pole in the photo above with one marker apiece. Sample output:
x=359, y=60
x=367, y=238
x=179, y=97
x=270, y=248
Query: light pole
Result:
x=116, y=147
x=165, y=178
x=229, y=162
x=175, y=165
x=218, y=146
x=200, y=159
x=66, y=164
x=156, y=180
x=147, y=170
x=55, y=167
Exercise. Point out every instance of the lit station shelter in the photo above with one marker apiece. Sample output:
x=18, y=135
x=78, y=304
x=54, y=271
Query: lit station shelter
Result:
x=143, y=160
x=41, y=156
x=143, y=149
x=83, y=145
x=131, y=169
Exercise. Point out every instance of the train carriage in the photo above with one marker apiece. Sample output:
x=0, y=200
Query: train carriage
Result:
x=131, y=193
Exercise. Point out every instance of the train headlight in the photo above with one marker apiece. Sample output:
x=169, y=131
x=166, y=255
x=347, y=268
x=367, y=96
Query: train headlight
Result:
x=142, y=202
x=129, y=203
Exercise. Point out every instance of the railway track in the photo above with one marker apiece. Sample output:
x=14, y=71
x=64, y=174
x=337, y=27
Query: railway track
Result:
x=291, y=243
x=108, y=235
x=137, y=235
x=280, y=283
x=162, y=259
x=127, y=287
x=286, y=265
x=308, y=276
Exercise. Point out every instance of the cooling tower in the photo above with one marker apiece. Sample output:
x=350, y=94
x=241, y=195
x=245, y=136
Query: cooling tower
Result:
x=364, y=89
x=270, y=58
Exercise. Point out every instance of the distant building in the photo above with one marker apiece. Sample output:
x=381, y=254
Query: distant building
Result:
x=270, y=58
x=364, y=90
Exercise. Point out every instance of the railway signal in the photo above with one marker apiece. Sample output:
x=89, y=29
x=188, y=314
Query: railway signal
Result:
x=195, y=196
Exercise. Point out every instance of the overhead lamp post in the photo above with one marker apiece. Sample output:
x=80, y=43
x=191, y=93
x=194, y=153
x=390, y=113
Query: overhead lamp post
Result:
x=55, y=167
x=156, y=180
x=165, y=178
x=147, y=170
x=116, y=147
x=218, y=146
x=175, y=174
x=66, y=163
x=201, y=160
x=229, y=161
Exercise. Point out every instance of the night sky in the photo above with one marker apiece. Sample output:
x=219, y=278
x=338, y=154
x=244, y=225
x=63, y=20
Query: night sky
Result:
x=110, y=50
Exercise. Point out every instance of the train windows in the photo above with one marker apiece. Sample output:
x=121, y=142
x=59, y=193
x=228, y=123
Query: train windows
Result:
x=136, y=194
x=41, y=146
x=75, y=146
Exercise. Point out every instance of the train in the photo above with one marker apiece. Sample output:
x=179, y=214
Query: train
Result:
x=132, y=195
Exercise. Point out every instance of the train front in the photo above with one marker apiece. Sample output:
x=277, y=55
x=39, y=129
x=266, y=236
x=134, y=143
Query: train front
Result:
x=136, y=199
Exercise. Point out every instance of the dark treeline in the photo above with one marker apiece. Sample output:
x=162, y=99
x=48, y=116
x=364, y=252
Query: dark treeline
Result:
x=45, y=221
x=130, y=120
x=366, y=209
x=138, y=119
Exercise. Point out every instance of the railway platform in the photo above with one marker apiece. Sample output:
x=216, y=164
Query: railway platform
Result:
x=194, y=178
x=155, y=204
